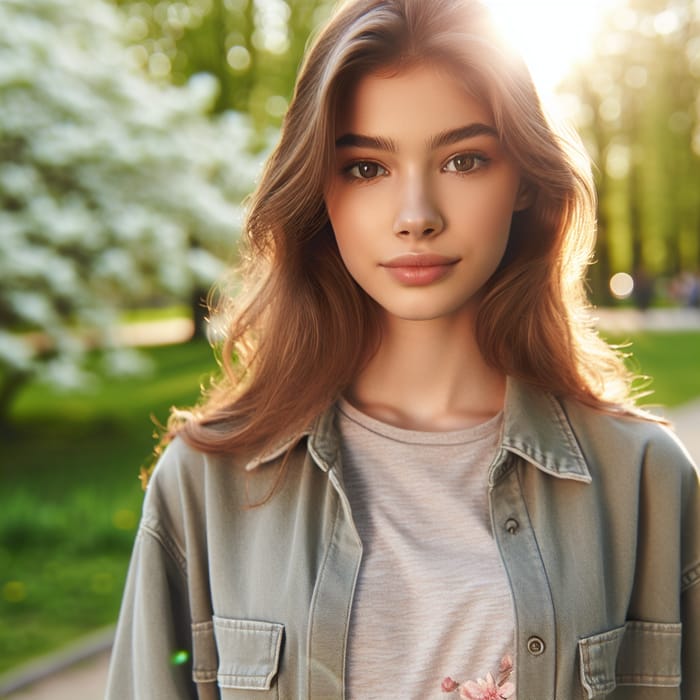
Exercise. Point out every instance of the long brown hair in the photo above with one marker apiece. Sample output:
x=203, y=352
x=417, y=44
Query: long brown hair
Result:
x=300, y=329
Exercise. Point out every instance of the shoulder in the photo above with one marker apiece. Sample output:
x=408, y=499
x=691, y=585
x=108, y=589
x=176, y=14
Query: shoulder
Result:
x=190, y=488
x=628, y=440
x=182, y=487
x=179, y=465
x=173, y=490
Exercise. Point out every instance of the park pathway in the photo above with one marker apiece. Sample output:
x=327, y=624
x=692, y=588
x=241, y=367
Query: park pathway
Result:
x=83, y=681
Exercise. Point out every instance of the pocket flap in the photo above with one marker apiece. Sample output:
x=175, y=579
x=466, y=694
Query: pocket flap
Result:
x=638, y=653
x=240, y=654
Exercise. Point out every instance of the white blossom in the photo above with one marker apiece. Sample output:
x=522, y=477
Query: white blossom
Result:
x=113, y=189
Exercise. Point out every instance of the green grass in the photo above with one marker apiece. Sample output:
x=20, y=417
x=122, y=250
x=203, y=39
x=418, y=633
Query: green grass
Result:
x=70, y=498
x=670, y=359
x=163, y=313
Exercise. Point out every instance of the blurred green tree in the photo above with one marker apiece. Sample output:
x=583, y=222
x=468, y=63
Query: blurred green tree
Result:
x=113, y=190
x=253, y=47
x=639, y=113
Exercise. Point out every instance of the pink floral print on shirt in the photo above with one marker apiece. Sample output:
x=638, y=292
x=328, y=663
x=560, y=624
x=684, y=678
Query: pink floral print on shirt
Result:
x=485, y=688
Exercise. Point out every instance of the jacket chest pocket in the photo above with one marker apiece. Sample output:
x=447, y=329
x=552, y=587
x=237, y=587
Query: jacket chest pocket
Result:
x=636, y=654
x=241, y=656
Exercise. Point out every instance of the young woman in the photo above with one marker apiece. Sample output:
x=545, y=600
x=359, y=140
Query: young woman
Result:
x=421, y=463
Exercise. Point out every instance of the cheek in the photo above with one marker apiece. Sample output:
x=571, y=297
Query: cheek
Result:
x=338, y=216
x=341, y=222
x=354, y=223
x=496, y=213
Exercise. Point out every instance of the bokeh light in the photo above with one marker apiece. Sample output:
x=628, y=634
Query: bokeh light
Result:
x=179, y=657
x=621, y=285
x=238, y=57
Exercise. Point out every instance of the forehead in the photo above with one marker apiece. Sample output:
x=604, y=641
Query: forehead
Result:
x=424, y=98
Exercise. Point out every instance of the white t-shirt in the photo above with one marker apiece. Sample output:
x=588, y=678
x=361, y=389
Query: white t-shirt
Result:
x=432, y=597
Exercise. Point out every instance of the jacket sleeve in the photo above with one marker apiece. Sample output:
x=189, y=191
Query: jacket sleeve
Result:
x=152, y=653
x=690, y=684
x=690, y=587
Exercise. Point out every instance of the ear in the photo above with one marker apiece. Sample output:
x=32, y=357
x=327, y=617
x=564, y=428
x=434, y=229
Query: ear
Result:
x=525, y=197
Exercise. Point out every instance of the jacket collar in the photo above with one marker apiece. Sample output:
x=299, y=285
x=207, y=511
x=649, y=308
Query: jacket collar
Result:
x=323, y=443
x=535, y=428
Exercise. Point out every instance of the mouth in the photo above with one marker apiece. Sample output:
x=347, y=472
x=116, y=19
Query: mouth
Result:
x=419, y=269
x=420, y=260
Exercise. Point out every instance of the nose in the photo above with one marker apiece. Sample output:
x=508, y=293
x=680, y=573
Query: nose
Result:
x=418, y=215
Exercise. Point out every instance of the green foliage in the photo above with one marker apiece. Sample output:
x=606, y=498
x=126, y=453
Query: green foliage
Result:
x=253, y=47
x=70, y=500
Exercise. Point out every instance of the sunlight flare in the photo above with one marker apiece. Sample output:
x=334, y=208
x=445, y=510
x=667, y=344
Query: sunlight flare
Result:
x=551, y=35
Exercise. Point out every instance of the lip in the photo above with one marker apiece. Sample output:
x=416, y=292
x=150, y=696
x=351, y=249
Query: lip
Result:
x=420, y=260
x=417, y=269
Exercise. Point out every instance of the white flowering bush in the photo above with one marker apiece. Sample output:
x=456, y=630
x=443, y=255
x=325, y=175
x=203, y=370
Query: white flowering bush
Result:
x=114, y=190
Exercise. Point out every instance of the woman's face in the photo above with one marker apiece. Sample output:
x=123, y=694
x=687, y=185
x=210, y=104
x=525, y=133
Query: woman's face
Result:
x=422, y=193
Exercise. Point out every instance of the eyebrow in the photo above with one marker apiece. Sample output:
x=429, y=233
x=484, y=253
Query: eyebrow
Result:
x=376, y=142
x=444, y=138
x=452, y=136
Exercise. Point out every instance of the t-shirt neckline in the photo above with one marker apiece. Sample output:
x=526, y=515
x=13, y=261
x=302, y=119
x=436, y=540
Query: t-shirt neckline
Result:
x=420, y=437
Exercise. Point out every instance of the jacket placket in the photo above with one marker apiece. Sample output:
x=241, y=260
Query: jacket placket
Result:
x=535, y=630
x=329, y=615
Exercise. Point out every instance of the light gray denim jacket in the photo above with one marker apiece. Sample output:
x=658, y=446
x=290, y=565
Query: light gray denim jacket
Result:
x=597, y=520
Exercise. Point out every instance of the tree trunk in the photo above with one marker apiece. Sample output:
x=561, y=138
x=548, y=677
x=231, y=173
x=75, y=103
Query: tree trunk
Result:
x=200, y=312
x=11, y=385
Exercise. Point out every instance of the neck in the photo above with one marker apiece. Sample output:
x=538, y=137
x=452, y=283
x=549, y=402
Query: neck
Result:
x=429, y=375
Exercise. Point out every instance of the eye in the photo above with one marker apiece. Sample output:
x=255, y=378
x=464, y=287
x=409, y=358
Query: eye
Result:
x=365, y=170
x=465, y=163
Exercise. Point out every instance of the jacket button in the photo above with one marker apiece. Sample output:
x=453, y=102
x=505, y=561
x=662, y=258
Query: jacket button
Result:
x=535, y=646
x=512, y=525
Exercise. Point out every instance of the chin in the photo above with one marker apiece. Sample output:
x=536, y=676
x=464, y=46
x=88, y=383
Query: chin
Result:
x=426, y=314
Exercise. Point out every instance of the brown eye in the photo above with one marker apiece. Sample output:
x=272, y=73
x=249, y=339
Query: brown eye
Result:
x=366, y=170
x=465, y=162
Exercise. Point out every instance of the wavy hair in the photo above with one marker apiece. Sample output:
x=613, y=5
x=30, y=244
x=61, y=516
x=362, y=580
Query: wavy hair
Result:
x=300, y=329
